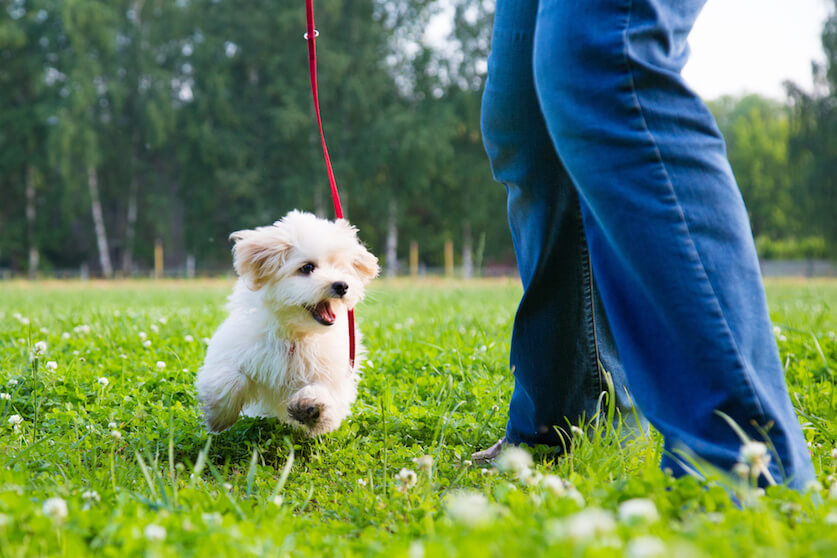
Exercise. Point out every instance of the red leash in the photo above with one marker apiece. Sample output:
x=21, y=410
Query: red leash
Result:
x=310, y=36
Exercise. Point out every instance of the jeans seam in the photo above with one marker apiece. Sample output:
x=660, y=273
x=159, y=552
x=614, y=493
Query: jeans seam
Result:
x=589, y=305
x=691, y=245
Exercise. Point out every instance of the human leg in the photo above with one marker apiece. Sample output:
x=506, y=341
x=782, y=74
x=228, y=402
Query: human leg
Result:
x=560, y=331
x=667, y=229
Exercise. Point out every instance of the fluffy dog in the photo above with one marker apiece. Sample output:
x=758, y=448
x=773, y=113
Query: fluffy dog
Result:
x=284, y=349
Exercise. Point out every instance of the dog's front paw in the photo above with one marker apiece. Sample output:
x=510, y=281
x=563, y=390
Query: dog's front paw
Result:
x=306, y=411
x=313, y=408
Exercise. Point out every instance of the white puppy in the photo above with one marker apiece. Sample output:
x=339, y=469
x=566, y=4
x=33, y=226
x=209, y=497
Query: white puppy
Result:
x=284, y=349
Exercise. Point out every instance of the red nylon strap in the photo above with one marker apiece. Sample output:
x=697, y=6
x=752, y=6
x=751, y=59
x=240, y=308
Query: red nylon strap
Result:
x=311, y=34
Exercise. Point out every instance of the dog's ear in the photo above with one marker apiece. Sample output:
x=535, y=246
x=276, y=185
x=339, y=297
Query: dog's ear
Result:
x=260, y=253
x=365, y=264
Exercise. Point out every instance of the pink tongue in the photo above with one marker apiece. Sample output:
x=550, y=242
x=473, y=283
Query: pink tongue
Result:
x=325, y=312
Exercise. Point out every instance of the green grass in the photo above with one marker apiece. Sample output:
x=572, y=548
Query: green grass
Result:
x=437, y=384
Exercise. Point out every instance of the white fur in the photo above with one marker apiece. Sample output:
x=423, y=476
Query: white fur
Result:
x=271, y=357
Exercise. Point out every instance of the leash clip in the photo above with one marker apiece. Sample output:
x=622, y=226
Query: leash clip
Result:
x=316, y=34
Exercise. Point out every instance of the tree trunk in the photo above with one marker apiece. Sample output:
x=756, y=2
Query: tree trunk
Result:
x=130, y=226
x=99, y=222
x=392, y=240
x=34, y=254
x=467, y=251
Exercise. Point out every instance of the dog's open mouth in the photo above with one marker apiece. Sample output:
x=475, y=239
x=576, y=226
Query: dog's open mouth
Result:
x=323, y=313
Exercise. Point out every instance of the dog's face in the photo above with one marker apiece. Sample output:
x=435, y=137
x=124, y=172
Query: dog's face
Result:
x=306, y=267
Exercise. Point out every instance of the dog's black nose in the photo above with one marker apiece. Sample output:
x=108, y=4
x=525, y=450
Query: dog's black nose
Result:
x=339, y=288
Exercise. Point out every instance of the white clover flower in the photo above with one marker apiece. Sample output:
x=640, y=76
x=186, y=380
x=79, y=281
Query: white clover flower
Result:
x=11, y=383
x=188, y=338
x=146, y=343
x=214, y=518
x=469, y=507
x=52, y=365
x=278, y=500
x=228, y=487
x=554, y=485
x=85, y=329
x=103, y=381
x=467, y=463
x=589, y=523
x=832, y=491
x=755, y=455
x=646, y=546
x=44, y=330
x=741, y=470
x=205, y=340
x=160, y=365
x=17, y=316
x=154, y=328
x=361, y=482
x=574, y=495
x=65, y=336
x=89, y=427
x=515, y=460
x=155, y=532
x=116, y=435
x=116, y=313
x=56, y=508
x=531, y=478
x=424, y=463
x=91, y=496
x=164, y=320
x=577, y=431
x=15, y=420
x=142, y=335
x=4, y=520
x=406, y=479
x=5, y=396
x=831, y=518
x=24, y=321
x=777, y=331
x=112, y=425
x=812, y=485
x=40, y=348
x=638, y=510
x=834, y=454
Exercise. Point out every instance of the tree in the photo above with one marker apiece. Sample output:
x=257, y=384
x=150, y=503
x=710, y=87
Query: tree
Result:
x=757, y=133
x=814, y=139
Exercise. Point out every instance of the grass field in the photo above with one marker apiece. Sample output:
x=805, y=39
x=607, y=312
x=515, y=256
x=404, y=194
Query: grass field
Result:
x=108, y=456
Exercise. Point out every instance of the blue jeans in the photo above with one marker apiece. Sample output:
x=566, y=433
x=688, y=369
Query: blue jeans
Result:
x=585, y=110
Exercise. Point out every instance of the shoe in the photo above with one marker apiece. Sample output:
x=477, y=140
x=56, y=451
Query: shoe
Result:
x=486, y=457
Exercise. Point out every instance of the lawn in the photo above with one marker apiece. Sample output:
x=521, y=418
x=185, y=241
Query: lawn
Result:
x=108, y=456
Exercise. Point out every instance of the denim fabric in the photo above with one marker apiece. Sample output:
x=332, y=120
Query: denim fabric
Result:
x=588, y=93
x=561, y=334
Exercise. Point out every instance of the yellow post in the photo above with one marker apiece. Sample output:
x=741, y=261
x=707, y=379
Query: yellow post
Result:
x=449, y=258
x=158, y=258
x=414, y=258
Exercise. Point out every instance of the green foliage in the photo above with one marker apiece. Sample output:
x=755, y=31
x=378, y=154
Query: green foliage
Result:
x=810, y=248
x=436, y=385
x=814, y=140
x=197, y=119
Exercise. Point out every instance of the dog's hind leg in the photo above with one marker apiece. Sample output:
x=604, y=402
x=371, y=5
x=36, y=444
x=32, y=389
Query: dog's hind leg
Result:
x=223, y=392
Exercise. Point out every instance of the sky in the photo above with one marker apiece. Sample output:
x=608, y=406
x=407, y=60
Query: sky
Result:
x=743, y=46
x=752, y=46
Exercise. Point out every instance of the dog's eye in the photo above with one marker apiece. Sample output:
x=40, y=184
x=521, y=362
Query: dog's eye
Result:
x=307, y=269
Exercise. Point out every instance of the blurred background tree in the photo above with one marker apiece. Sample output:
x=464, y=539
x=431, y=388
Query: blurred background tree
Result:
x=124, y=123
